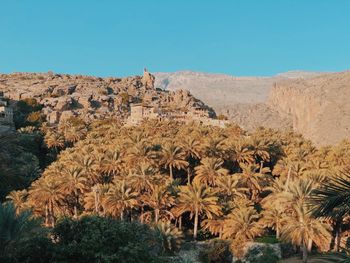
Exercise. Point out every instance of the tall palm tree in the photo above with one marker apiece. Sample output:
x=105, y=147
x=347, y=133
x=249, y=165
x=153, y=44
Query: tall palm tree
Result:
x=239, y=153
x=173, y=157
x=159, y=199
x=210, y=170
x=198, y=200
x=331, y=200
x=192, y=149
x=112, y=163
x=18, y=199
x=229, y=189
x=94, y=200
x=15, y=226
x=252, y=177
x=141, y=176
x=241, y=226
x=54, y=140
x=119, y=198
x=273, y=217
x=46, y=195
x=242, y=222
x=304, y=230
x=74, y=183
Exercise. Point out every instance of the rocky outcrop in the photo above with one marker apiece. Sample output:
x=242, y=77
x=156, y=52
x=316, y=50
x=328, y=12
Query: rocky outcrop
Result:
x=318, y=106
x=63, y=96
x=313, y=104
x=241, y=99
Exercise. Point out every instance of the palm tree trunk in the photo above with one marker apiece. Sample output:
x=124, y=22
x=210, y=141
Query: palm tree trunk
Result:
x=122, y=215
x=304, y=254
x=337, y=236
x=171, y=172
x=309, y=245
x=156, y=215
x=261, y=166
x=76, y=208
x=75, y=212
x=188, y=175
x=180, y=222
x=195, y=227
x=96, y=202
x=141, y=216
x=277, y=232
x=46, y=215
x=288, y=178
x=52, y=216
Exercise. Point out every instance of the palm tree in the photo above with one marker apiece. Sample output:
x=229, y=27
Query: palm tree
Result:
x=229, y=187
x=74, y=182
x=94, y=200
x=242, y=222
x=273, y=217
x=240, y=153
x=119, y=198
x=159, y=199
x=54, y=140
x=173, y=157
x=18, y=199
x=331, y=200
x=241, y=226
x=170, y=236
x=252, y=177
x=141, y=176
x=15, y=226
x=333, y=195
x=197, y=199
x=113, y=162
x=210, y=170
x=214, y=146
x=192, y=149
x=304, y=230
x=46, y=192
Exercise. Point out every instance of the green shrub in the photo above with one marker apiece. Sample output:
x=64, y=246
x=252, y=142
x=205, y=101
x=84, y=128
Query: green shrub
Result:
x=267, y=240
x=216, y=251
x=97, y=239
x=287, y=250
x=262, y=255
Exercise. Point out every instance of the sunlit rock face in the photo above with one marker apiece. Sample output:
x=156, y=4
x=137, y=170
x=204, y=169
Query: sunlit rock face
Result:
x=64, y=96
x=313, y=104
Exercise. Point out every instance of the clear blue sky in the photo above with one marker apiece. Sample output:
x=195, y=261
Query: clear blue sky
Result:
x=118, y=38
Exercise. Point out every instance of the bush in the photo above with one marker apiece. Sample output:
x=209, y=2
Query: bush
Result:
x=97, y=239
x=217, y=250
x=36, y=249
x=262, y=255
x=287, y=250
x=267, y=240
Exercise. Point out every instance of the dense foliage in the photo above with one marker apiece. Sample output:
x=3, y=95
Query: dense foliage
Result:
x=193, y=179
x=90, y=239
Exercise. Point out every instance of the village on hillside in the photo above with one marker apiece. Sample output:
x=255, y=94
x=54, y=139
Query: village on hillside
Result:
x=129, y=100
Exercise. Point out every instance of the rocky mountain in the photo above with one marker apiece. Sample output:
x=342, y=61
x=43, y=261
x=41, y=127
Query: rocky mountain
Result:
x=242, y=99
x=63, y=96
x=319, y=107
x=310, y=103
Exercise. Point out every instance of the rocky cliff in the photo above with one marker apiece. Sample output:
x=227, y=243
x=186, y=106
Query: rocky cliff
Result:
x=242, y=99
x=318, y=106
x=313, y=104
x=65, y=95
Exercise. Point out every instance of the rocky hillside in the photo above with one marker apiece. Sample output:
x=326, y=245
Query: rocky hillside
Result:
x=64, y=95
x=319, y=106
x=242, y=99
x=313, y=104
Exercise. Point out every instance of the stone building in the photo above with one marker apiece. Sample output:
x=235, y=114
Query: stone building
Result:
x=139, y=112
x=6, y=113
